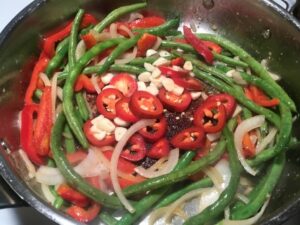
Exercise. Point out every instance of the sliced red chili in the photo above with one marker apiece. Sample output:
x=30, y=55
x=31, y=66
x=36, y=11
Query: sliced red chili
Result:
x=211, y=116
x=108, y=139
x=213, y=46
x=198, y=45
x=84, y=215
x=76, y=157
x=189, y=139
x=146, y=42
x=173, y=102
x=123, y=111
x=125, y=83
x=73, y=196
x=147, y=22
x=227, y=100
x=261, y=98
x=189, y=83
x=169, y=71
x=155, y=131
x=177, y=61
x=248, y=146
x=84, y=82
x=159, y=149
x=123, y=164
x=89, y=40
x=106, y=102
x=145, y=105
x=135, y=150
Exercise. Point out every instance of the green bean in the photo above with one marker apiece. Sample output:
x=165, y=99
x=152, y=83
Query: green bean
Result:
x=262, y=193
x=148, y=201
x=115, y=68
x=38, y=93
x=58, y=202
x=82, y=107
x=119, y=50
x=69, y=140
x=246, y=113
x=57, y=60
x=117, y=13
x=253, y=64
x=70, y=175
x=228, y=194
x=62, y=44
x=189, y=48
x=180, y=175
x=160, y=30
x=107, y=218
x=206, y=182
x=74, y=38
x=68, y=91
x=239, y=95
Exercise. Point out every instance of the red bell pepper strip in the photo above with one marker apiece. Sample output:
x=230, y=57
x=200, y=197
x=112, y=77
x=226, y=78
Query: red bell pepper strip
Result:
x=147, y=22
x=76, y=157
x=42, y=131
x=248, y=146
x=84, y=215
x=147, y=41
x=261, y=99
x=40, y=66
x=173, y=73
x=84, y=82
x=198, y=45
x=89, y=40
x=27, y=122
x=50, y=41
x=73, y=196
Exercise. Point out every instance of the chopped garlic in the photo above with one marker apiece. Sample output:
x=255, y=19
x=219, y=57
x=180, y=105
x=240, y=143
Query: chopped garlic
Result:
x=178, y=90
x=156, y=73
x=161, y=62
x=188, y=66
x=141, y=86
x=168, y=84
x=103, y=124
x=149, y=67
x=145, y=76
x=195, y=94
x=152, y=89
x=151, y=52
x=164, y=53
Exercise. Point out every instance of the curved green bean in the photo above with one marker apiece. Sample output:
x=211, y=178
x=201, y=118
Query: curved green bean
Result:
x=70, y=175
x=69, y=140
x=116, y=68
x=82, y=107
x=57, y=59
x=68, y=91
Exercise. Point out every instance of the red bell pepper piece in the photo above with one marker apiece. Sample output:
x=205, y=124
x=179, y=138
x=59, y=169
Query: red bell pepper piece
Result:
x=73, y=196
x=76, y=157
x=50, y=41
x=177, y=61
x=248, y=146
x=27, y=117
x=198, y=45
x=213, y=46
x=42, y=131
x=147, y=41
x=84, y=215
x=261, y=98
x=84, y=82
x=147, y=22
x=40, y=66
x=89, y=40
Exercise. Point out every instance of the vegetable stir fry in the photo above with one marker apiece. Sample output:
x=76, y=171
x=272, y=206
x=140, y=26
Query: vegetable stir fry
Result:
x=129, y=113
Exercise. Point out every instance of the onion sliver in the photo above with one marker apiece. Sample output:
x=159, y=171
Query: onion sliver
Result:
x=115, y=158
x=127, y=30
x=95, y=83
x=243, y=128
x=80, y=49
x=47, y=193
x=215, y=176
x=30, y=167
x=92, y=166
x=134, y=16
x=267, y=140
x=113, y=30
x=249, y=221
x=157, y=43
x=45, y=79
x=166, y=167
x=54, y=94
x=49, y=176
x=128, y=57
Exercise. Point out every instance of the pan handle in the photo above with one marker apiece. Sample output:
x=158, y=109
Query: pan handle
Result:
x=288, y=5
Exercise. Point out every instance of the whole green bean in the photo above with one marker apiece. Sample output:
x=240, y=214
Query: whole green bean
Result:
x=58, y=201
x=117, y=13
x=115, y=68
x=253, y=64
x=180, y=175
x=57, y=59
x=107, y=219
x=68, y=90
x=74, y=38
x=147, y=202
x=82, y=107
x=228, y=194
x=204, y=183
x=262, y=193
x=68, y=172
x=189, y=48
x=162, y=29
x=140, y=61
x=69, y=140
x=270, y=115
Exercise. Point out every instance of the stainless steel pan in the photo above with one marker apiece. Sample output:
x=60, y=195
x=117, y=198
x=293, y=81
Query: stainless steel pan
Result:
x=262, y=27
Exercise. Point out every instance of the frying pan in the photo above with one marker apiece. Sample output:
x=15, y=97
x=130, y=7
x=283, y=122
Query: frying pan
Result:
x=262, y=27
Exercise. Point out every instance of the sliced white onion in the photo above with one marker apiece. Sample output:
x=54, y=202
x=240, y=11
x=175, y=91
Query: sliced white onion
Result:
x=215, y=176
x=91, y=166
x=166, y=168
x=47, y=193
x=127, y=57
x=113, y=30
x=127, y=30
x=49, y=176
x=134, y=16
x=58, y=109
x=193, y=26
x=267, y=140
x=29, y=166
x=243, y=128
x=80, y=49
x=99, y=37
x=95, y=83
x=224, y=170
x=209, y=197
x=45, y=79
x=54, y=94
x=237, y=111
x=249, y=221
x=115, y=158
x=59, y=92
x=243, y=198
x=157, y=44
